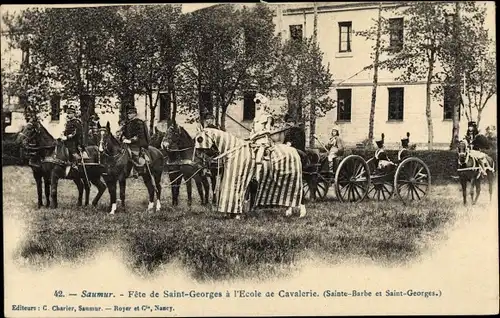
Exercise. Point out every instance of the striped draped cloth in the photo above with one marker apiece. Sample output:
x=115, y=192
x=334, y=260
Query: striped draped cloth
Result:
x=280, y=180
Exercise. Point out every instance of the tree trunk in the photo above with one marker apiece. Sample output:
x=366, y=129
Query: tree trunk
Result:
x=223, y=118
x=312, y=121
x=455, y=131
x=479, y=111
x=371, y=122
x=428, y=91
x=86, y=107
x=152, y=112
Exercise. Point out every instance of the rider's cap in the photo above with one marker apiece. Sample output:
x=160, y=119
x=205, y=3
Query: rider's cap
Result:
x=380, y=141
x=132, y=110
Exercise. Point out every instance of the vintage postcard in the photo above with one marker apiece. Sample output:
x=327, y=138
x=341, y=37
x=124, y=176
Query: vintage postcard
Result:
x=249, y=159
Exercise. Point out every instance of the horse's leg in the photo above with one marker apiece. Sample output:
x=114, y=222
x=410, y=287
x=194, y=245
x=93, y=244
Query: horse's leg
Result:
x=471, y=192
x=101, y=187
x=157, y=177
x=173, y=187
x=46, y=181
x=86, y=187
x=123, y=187
x=149, y=184
x=463, y=183
x=199, y=187
x=38, y=180
x=54, y=179
x=206, y=188
x=213, y=181
x=79, y=184
x=478, y=190
x=189, y=192
x=111, y=184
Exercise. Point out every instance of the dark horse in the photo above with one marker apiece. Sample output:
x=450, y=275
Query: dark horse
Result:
x=118, y=164
x=178, y=146
x=468, y=171
x=54, y=157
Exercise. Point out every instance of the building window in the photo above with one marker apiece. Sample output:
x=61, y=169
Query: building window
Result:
x=344, y=104
x=449, y=23
x=345, y=36
x=296, y=32
x=55, y=107
x=164, y=106
x=396, y=27
x=396, y=103
x=248, y=106
x=448, y=101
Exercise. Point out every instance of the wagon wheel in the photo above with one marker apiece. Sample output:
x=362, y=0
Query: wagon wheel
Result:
x=381, y=186
x=322, y=186
x=352, y=179
x=412, y=180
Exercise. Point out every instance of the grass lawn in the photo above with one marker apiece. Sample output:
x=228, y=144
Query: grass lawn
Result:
x=263, y=245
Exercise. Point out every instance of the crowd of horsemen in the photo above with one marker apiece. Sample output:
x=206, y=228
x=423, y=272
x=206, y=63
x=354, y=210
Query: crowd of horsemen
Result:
x=133, y=133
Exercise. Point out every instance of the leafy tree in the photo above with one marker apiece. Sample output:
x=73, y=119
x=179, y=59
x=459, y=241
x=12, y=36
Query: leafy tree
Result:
x=72, y=50
x=31, y=83
x=299, y=72
x=469, y=63
x=145, y=55
x=225, y=49
x=424, y=34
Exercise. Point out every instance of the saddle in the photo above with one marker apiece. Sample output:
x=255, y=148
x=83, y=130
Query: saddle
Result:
x=139, y=157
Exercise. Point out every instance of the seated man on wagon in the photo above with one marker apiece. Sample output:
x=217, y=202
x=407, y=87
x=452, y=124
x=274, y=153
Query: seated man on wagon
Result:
x=262, y=126
x=476, y=142
x=383, y=163
x=335, y=147
x=403, y=152
x=136, y=137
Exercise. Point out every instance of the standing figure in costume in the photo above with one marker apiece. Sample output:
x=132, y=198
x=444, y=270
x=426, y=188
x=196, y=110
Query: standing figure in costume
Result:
x=73, y=137
x=381, y=157
x=335, y=147
x=136, y=137
x=295, y=136
x=262, y=126
x=477, y=142
x=210, y=121
x=94, y=127
x=403, y=152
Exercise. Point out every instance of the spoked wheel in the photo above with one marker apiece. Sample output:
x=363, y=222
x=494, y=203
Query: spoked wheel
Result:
x=412, y=180
x=381, y=188
x=322, y=186
x=352, y=179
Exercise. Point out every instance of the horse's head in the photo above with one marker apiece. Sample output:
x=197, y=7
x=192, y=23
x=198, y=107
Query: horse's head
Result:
x=463, y=152
x=107, y=142
x=29, y=133
x=204, y=141
x=157, y=138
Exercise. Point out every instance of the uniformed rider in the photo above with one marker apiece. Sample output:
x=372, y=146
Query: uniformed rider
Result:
x=136, y=137
x=262, y=126
x=335, y=147
x=73, y=137
x=474, y=145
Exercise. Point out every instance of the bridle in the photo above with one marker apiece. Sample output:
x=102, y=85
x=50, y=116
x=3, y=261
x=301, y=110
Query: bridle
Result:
x=103, y=147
